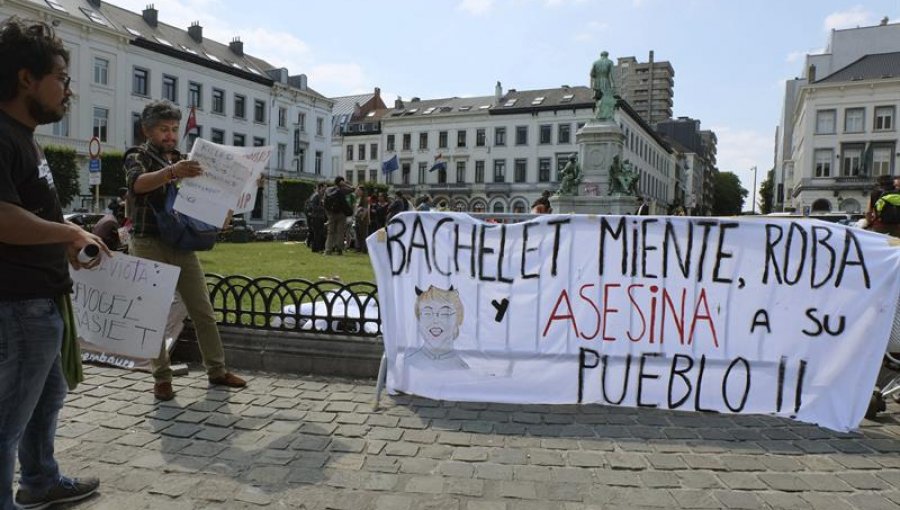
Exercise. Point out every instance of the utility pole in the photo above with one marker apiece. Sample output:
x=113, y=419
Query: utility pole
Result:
x=754, y=191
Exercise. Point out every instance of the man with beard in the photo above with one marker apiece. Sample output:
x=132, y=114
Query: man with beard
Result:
x=150, y=169
x=35, y=242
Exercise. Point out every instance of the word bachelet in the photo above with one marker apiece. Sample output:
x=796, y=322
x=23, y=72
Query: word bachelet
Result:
x=783, y=317
x=121, y=305
x=649, y=248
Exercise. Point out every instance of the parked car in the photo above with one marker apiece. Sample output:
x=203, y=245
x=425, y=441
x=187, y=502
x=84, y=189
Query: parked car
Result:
x=84, y=220
x=294, y=229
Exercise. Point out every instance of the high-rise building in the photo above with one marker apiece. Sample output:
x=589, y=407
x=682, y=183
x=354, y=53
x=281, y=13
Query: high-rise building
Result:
x=647, y=86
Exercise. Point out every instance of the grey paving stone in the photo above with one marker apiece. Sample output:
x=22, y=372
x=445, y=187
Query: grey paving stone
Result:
x=627, y=461
x=471, y=454
x=586, y=459
x=695, y=499
x=659, y=480
x=739, y=500
x=825, y=501
x=487, y=471
x=531, y=473
x=784, y=500
x=418, y=466
x=425, y=484
x=742, y=481
x=864, y=481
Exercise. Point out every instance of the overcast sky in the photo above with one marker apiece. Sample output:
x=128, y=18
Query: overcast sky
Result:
x=730, y=57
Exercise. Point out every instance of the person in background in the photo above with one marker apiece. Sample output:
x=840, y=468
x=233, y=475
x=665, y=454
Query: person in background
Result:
x=377, y=212
x=643, y=209
x=539, y=206
x=425, y=204
x=361, y=220
x=399, y=205
x=337, y=219
x=35, y=244
x=315, y=216
x=149, y=170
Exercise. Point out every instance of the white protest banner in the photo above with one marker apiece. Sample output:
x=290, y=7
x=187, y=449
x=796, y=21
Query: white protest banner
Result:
x=228, y=181
x=121, y=306
x=781, y=317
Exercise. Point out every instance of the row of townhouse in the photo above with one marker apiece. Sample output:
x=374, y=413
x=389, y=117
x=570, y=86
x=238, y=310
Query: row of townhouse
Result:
x=121, y=60
x=838, y=130
x=499, y=152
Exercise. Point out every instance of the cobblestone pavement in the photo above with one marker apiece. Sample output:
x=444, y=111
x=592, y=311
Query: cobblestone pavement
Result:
x=316, y=443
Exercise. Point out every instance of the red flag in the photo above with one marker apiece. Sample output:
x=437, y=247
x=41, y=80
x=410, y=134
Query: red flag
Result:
x=191, y=122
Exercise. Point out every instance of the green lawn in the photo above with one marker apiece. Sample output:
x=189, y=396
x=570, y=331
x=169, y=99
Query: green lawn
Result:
x=284, y=260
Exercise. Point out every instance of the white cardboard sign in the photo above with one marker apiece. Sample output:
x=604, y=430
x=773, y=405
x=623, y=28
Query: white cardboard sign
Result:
x=228, y=181
x=121, y=306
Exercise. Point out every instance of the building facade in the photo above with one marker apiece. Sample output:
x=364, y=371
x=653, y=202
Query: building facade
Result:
x=649, y=87
x=494, y=153
x=844, y=48
x=845, y=136
x=121, y=60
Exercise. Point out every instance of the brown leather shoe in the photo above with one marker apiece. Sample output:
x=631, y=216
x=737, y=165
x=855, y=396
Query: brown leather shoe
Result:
x=229, y=379
x=163, y=391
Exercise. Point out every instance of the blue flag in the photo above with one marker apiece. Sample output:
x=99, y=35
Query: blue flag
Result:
x=390, y=165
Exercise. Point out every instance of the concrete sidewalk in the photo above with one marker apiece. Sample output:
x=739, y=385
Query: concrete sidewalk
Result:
x=315, y=443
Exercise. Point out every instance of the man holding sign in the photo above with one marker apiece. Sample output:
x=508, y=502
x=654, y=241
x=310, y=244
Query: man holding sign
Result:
x=149, y=169
x=35, y=242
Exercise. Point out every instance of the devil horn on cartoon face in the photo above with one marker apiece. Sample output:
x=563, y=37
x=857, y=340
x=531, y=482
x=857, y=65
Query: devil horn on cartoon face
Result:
x=450, y=289
x=418, y=291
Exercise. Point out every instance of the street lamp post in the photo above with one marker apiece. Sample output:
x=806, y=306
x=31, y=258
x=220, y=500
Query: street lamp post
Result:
x=753, y=198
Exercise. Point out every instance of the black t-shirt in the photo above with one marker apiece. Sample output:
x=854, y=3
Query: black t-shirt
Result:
x=33, y=271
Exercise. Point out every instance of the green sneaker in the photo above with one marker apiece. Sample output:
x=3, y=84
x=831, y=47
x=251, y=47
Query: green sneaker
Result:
x=66, y=491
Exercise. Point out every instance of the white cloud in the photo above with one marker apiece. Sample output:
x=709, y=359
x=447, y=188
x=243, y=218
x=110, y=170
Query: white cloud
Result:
x=739, y=150
x=795, y=56
x=339, y=79
x=590, y=32
x=476, y=7
x=853, y=17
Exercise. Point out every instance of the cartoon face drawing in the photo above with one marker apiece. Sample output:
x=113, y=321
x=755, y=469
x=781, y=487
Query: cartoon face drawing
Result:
x=439, y=314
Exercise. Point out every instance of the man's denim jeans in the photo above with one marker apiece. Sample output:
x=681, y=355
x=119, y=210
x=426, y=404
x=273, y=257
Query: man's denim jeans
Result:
x=32, y=391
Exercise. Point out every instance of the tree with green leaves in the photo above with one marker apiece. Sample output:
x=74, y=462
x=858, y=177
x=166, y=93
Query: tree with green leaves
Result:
x=63, y=164
x=767, y=192
x=293, y=194
x=728, y=194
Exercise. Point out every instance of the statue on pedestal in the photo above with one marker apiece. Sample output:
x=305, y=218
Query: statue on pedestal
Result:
x=623, y=178
x=604, y=86
x=569, y=178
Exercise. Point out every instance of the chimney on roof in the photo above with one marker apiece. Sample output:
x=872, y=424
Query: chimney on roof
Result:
x=236, y=46
x=811, y=74
x=151, y=16
x=498, y=91
x=95, y=3
x=884, y=21
x=196, y=32
x=356, y=109
x=398, y=103
x=414, y=100
x=377, y=93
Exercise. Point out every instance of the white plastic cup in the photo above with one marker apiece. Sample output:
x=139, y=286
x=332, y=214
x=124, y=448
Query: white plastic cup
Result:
x=88, y=253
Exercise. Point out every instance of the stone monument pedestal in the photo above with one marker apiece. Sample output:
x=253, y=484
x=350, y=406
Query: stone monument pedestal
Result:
x=618, y=204
x=598, y=143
